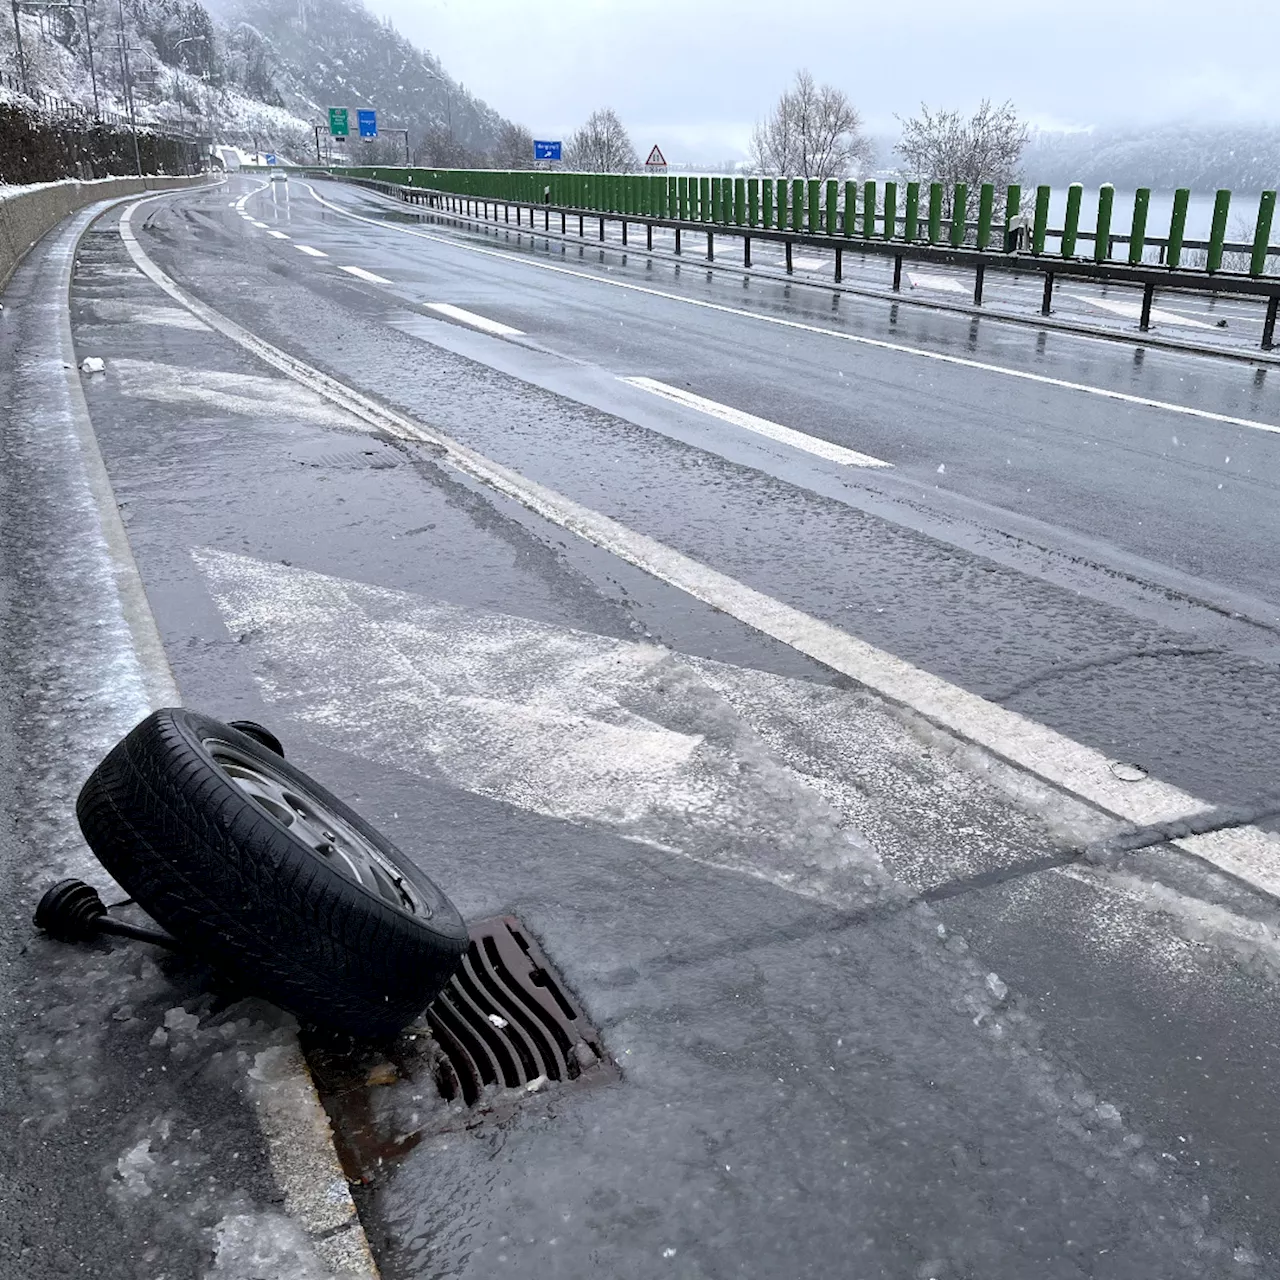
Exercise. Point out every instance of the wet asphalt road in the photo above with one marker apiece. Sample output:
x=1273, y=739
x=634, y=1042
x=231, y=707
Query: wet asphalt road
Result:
x=815, y=1080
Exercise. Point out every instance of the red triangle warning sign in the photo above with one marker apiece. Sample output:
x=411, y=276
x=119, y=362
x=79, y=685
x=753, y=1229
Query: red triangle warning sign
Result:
x=656, y=159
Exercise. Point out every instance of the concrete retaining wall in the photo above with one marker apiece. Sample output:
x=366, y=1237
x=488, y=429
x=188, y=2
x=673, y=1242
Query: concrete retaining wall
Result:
x=26, y=213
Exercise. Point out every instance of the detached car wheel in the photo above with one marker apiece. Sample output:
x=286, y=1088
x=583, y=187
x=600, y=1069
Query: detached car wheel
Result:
x=264, y=874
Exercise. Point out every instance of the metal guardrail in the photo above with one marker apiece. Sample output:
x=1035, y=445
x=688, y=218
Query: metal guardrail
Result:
x=539, y=195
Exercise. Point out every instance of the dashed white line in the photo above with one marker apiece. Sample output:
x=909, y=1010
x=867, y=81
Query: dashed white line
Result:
x=309, y=251
x=262, y=226
x=1024, y=375
x=361, y=274
x=279, y=235
x=476, y=322
x=761, y=426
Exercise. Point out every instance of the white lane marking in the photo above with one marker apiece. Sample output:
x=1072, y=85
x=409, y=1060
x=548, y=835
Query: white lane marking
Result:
x=761, y=426
x=309, y=251
x=1247, y=852
x=476, y=321
x=262, y=226
x=1133, y=311
x=807, y=264
x=931, y=280
x=1024, y=375
x=361, y=274
x=279, y=235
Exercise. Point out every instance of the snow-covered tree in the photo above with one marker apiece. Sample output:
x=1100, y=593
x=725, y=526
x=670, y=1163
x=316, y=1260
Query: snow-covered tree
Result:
x=944, y=146
x=814, y=131
x=602, y=145
x=514, y=148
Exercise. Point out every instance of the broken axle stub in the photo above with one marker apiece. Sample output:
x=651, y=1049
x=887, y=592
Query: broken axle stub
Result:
x=72, y=911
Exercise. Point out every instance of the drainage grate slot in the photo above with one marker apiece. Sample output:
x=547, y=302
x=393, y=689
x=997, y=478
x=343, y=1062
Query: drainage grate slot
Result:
x=504, y=1031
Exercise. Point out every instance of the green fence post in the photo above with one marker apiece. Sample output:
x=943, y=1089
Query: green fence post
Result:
x=753, y=202
x=1012, y=206
x=682, y=199
x=833, y=207
x=959, y=208
x=850, y=208
x=1218, y=231
x=986, y=203
x=1138, y=232
x=740, y=201
x=814, y=202
x=911, y=216
x=1102, y=244
x=1262, y=234
x=1178, y=225
x=704, y=199
x=935, y=212
x=1071, y=221
x=1040, y=227
x=868, y=210
x=766, y=202
x=717, y=200
x=890, y=210
x=797, y=204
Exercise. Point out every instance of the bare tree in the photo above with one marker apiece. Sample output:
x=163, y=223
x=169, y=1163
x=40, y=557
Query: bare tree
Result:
x=514, y=147
x=602, y=145
x=942, y=146
x=814, y=131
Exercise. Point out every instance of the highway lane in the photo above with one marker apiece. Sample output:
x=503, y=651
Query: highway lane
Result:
x=1128, y=653
x=798, y=1076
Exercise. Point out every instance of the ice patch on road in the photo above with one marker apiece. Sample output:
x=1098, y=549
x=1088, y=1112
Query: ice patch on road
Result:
x=931, y=280
x=807, y=264
x=251, y=1245
x=245, y=394
x=117, y=311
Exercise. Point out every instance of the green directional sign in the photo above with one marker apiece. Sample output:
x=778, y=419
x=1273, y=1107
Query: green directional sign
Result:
x=338, y=127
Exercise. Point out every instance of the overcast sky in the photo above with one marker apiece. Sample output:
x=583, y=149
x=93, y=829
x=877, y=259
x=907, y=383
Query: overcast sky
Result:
x=694, y=75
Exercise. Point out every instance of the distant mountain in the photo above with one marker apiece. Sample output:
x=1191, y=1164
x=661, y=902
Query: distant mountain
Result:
x=1242, y=158
x=316, y=54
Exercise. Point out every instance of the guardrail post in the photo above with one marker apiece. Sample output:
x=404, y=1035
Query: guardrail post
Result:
x=1218, y=231
x=788, y=248
x=959, y=208
x=839, y=264
x=1262, y=234
x=978, y=275
x=711, y=245
x=1046, y=303
x=1071, y=222
x=1102, y=244
x=1138, y=233
x=1040, y=227
x=897, y=273
x=1012, y=205
x=814, y=201
x=1148, y=296
x=890, y=210
x=935, y=212
x=833, y=207
x=868, y=210
x=850, y=208
x=911, y=219
x=753, y=202
x=746, y=251
x=1269, y=324
x=766, y=202
x=740, y=201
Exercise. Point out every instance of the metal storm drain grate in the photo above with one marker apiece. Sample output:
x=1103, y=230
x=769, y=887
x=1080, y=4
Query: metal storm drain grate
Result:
x=505, y=1030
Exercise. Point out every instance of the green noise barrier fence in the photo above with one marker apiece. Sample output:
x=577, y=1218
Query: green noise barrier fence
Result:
x=1009, y=229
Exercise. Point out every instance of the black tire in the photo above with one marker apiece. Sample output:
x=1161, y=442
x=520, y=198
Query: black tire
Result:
x=230, y=879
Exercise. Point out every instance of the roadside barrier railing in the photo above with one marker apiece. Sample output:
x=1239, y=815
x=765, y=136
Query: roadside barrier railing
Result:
x=906, y=221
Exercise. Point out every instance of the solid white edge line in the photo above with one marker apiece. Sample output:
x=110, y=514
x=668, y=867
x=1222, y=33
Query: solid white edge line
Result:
x=1248, y=853
x=761, y=426
x=463, y=316
x=310, y=252
x=881, y=344
x=299, y=1136
x=361, y=274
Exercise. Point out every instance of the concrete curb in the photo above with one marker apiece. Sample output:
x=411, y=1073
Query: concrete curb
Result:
x=27, y=213
x=294, y=1124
